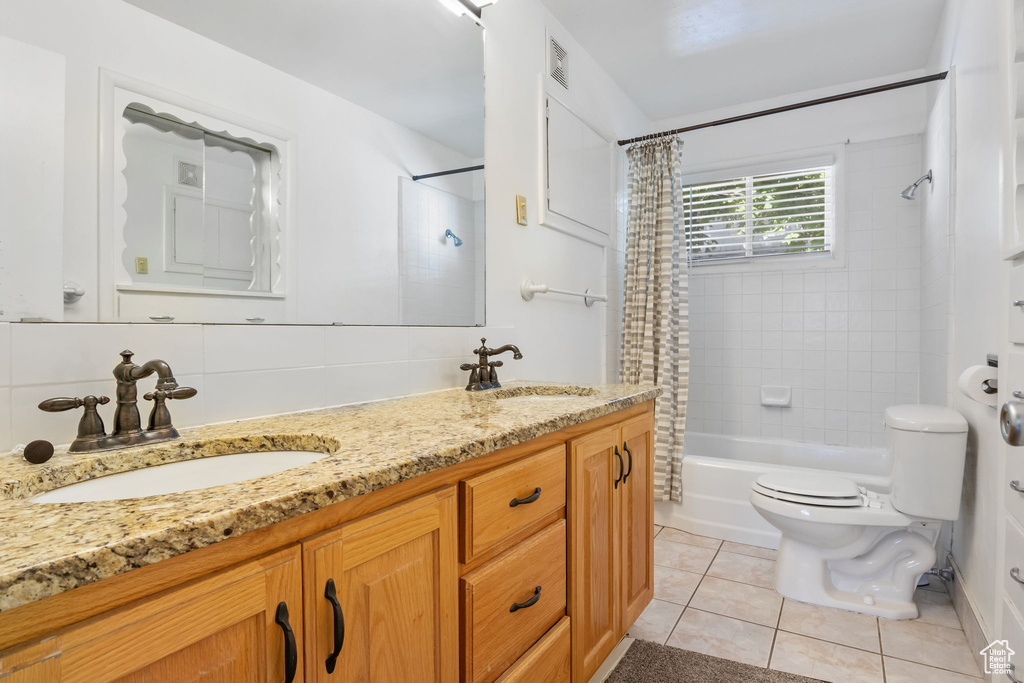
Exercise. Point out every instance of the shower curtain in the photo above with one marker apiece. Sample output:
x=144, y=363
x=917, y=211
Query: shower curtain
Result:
x=655, y=328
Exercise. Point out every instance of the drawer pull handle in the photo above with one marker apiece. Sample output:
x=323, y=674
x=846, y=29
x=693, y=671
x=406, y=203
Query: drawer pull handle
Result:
x=331, y=593
x=516, y=606
x=1015, y=575
x=291, y=653
x=622, y=468
x=527, y=500
x=630, y=470
x=1015, y=485
x=1010, y=673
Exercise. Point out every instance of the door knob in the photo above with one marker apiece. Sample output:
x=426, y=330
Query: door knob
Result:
x=1011, y=423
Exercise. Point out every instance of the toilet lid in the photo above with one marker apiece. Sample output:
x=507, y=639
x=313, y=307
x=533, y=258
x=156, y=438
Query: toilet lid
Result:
x=853, y=502
x=808, y=484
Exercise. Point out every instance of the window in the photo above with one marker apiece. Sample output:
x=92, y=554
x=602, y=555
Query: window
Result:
x=750, y=217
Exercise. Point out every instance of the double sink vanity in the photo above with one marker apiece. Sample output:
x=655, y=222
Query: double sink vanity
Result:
x=454, y=536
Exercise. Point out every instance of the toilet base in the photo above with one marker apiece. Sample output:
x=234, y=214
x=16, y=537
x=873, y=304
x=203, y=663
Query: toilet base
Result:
x=876, y=575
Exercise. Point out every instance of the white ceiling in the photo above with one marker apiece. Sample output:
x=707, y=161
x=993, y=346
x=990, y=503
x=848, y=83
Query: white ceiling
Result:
x=676, y=57
x=412, y=61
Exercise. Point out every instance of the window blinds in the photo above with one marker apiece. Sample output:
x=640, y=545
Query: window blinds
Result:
x=760, y=216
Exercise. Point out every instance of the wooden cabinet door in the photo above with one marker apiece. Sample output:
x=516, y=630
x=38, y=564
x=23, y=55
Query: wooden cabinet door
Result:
x=219, y=629
x=594, y=549
x=636, y=518
x=394, y=575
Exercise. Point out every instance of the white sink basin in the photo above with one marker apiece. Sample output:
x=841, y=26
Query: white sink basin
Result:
x=178, y=477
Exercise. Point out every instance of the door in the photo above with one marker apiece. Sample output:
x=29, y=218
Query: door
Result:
x=636, y=518
x=381, y=596
x=242, y=625
x=596, y=466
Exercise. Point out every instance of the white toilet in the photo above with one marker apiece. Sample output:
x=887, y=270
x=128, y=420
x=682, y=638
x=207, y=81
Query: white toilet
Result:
x=844, y=546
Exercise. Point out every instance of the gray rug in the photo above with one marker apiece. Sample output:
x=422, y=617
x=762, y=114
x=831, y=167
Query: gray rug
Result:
x=647, y=662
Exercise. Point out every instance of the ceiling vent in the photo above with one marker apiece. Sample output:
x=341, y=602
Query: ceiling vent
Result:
x=190, y=174
x=559, y=61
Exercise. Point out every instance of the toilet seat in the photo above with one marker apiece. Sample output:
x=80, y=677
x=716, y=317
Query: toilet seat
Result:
x=809, y=484
x=811, y=489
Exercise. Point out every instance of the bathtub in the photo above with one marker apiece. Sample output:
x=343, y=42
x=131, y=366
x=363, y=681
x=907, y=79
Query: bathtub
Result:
x=718, y=471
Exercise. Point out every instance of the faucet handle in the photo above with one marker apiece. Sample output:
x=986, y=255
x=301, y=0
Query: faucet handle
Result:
x=56, y=405
x=179, y=393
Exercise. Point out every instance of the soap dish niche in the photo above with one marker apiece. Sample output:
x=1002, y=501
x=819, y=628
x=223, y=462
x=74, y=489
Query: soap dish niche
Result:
x=776, y=397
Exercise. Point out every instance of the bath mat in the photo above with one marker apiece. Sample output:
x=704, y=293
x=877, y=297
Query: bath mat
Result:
x=647, y=662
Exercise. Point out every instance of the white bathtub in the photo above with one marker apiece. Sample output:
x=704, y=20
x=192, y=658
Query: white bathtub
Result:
x=719, y=470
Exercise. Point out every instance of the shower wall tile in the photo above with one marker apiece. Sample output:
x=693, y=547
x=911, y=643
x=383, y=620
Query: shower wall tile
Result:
x=847, y=340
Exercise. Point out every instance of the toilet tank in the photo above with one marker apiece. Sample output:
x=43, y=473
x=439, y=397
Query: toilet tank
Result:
x=928, y=446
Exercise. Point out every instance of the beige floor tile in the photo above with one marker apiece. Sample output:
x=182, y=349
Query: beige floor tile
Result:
x=805, y=656
x=753, y=550
x=938, y=646
x=739, y=600
x=936, y=608
x=831, y=624
x=677, y=536
x=719, y=636
x=674, y=585
x=899, y=671
x=690, y=558
x=744, y=568
x=656, y=622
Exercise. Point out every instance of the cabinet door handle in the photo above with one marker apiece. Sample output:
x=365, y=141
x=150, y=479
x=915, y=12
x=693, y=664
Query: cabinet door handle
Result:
x=1015, y=575
x=291, y=653
x=1011, y=670
x=331, y=593
x=630, y=470
x=622, y=468
x=527, y=500
x=1015, y=485
x=529, y=603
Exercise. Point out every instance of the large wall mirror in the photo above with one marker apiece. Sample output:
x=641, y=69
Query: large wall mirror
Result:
x=244, y=161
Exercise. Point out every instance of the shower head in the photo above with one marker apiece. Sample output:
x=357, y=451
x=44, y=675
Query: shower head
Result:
x=448, y=233
x=910, y=191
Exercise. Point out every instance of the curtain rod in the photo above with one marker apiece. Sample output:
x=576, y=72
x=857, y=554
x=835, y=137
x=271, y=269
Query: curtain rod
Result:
x=467, y=169
x=791, y=107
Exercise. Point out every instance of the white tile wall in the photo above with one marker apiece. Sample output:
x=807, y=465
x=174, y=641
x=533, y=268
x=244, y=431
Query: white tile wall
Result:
x=441, y=283
x=846, y=339
x=240, y=371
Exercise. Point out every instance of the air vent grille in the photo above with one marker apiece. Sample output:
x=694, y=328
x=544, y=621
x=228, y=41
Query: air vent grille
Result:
x=559, y=64
x=190, y=174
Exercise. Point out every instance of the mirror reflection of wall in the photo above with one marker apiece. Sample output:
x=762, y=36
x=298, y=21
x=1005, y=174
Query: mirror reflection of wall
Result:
x=195, y=213
x=345, y=97
x=442, y=256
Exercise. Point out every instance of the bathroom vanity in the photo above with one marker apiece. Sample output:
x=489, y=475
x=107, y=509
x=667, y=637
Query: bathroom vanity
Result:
x=503, y=535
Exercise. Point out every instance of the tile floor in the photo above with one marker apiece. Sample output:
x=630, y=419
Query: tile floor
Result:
x=717, y=598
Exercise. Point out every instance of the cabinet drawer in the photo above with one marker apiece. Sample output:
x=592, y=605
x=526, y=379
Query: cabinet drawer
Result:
x=492, y=512
x=545, y=662
x=501, y=619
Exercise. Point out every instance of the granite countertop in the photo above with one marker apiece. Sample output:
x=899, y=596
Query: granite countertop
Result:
x=54, y=547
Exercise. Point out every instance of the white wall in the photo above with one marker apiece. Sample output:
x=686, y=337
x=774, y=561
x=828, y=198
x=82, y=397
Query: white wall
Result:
x=844, y=339
x=937, y=250
x=973, y=44
x=243, y=371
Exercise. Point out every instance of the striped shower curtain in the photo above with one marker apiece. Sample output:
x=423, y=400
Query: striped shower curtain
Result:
x=655, y=320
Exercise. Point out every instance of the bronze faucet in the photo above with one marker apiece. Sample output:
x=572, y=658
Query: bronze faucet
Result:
x=127, y=421
x=483, y=374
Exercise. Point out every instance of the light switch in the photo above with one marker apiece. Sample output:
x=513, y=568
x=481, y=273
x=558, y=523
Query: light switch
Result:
x=520, y=209
x=141, y=265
